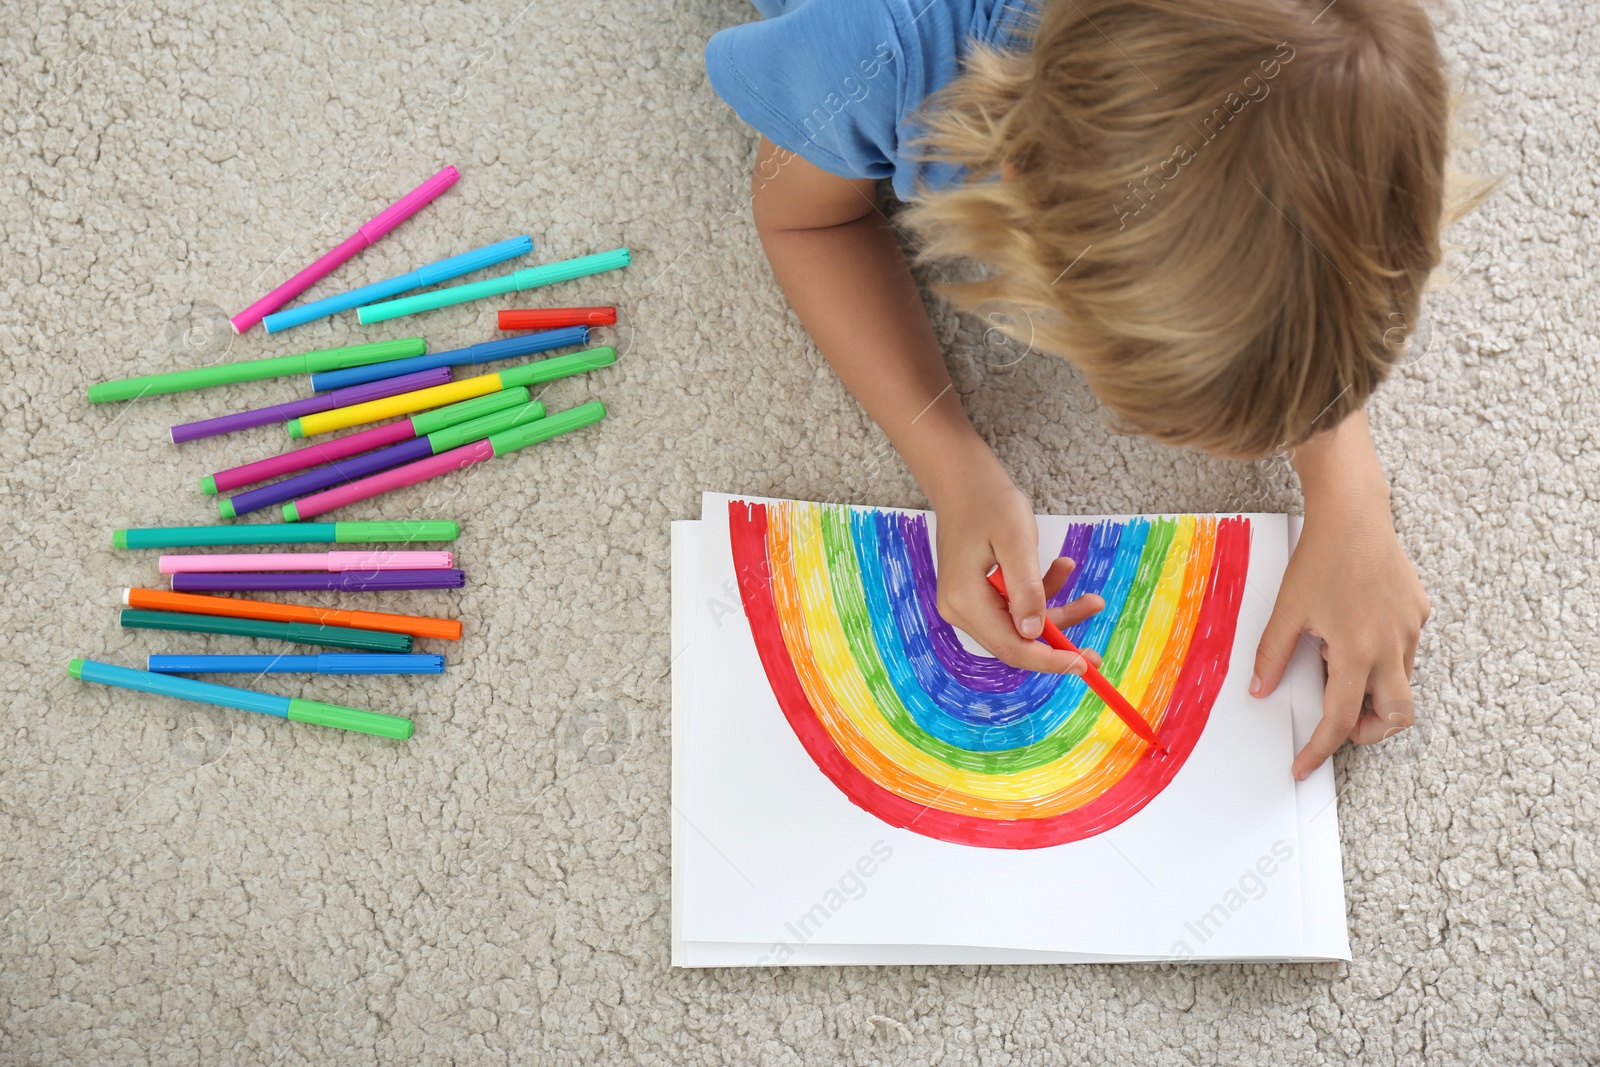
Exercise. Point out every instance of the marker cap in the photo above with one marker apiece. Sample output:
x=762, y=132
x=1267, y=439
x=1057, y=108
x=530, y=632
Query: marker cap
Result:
x=437, y=419
x=477, y=429
x=362, y=722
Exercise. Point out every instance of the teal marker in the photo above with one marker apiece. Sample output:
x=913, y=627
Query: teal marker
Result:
x=302, y=633
x=255, y=370
x=530, y=278
x=227, y=696
x=404, y=532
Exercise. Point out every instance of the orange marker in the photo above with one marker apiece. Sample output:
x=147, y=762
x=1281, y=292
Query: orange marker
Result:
x=415, y=625
x=1096, y=681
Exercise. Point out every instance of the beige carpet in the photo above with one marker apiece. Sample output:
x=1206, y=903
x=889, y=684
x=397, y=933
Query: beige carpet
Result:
x=228, y=889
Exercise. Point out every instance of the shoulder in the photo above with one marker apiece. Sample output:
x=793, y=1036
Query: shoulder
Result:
x=837, y=81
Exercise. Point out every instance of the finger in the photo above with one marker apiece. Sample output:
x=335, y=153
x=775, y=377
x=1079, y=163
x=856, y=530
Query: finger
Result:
x=1071, y=614
x=1393, y=710
x=1056, y=576
x=1019, y=562
x=1276, y=646
x=974, y=607
x=1341, y=708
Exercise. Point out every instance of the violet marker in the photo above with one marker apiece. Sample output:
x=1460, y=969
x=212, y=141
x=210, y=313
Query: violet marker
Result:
x=349, y=470
x=344, y=582
x=355, y=394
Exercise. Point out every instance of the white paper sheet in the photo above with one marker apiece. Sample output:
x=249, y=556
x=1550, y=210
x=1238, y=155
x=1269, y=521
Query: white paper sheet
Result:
x=773, y=865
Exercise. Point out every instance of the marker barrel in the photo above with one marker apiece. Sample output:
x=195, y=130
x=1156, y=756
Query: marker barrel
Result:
x=379, y=560
x=531, y=278
x=256, y=370
x=486, y=352
x=348, y=582
x=372, y=390
x=297, y=632
x=554, y=318
x=234, y=607
x=412, y=531
x=324, y=663
x=432, y=274
x=525, y=374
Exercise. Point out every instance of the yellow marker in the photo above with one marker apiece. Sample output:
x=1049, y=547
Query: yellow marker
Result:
x=545, y=370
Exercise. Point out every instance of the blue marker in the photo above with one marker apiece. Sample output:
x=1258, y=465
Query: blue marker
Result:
x=508, y=348
x=293, y=708
x=327, y=663
x=432, y=274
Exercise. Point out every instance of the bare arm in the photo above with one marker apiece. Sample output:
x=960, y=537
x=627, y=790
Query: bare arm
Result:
x=1350, y=583
x=839, y=263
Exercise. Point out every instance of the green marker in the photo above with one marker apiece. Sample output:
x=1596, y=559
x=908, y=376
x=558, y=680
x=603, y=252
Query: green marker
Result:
x=531, y=278
x=299, y=632
x=255, y=370
x=410, y=532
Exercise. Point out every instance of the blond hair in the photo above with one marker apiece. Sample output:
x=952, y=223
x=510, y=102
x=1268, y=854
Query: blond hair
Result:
x=1222, y=213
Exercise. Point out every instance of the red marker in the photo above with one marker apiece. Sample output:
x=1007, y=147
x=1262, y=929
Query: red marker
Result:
x=1103, y=688
x=555, y=318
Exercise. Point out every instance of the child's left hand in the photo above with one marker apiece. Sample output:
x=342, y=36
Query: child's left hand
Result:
x=1350, y=583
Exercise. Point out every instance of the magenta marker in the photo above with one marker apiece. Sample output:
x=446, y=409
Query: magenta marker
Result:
x=370, y=233
x=355, y=394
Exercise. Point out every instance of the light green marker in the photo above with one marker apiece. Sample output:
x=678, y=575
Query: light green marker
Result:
x=255, y=370
x=531, y=278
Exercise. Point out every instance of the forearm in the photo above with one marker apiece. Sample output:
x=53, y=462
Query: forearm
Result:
x=1339, y=468
x=853, y=290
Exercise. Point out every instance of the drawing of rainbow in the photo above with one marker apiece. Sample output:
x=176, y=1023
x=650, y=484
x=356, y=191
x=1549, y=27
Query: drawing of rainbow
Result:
x=925, y=735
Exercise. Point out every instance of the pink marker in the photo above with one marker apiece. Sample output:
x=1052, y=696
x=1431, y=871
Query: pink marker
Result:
x=232, y=562
x=387, y=481
x=368, y=234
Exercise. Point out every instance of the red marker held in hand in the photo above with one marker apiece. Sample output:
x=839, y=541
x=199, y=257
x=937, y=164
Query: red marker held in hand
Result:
x=1097, y=682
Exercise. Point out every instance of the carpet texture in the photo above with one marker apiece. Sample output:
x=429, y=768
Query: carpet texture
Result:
x=184, y=887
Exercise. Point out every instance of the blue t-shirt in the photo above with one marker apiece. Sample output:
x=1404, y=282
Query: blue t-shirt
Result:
x=838, y=81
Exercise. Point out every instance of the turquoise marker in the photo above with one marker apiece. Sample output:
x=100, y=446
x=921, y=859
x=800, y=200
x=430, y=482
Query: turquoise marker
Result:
x=531, y=278
x=432, y=274
x=227, y=696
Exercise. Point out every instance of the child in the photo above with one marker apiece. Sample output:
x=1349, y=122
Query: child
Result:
x=1222, y=212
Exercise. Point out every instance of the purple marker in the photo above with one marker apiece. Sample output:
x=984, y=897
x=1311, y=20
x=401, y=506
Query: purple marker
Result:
x=344, y=581
x=336, y=473
x=355, y=394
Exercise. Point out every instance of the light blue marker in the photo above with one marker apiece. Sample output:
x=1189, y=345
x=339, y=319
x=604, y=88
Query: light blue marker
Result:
x=432, y=274
x=505, y=348
x=327, y=663
x=293, y=708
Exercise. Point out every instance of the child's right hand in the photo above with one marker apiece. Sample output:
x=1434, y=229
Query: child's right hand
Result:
x=979, y=527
